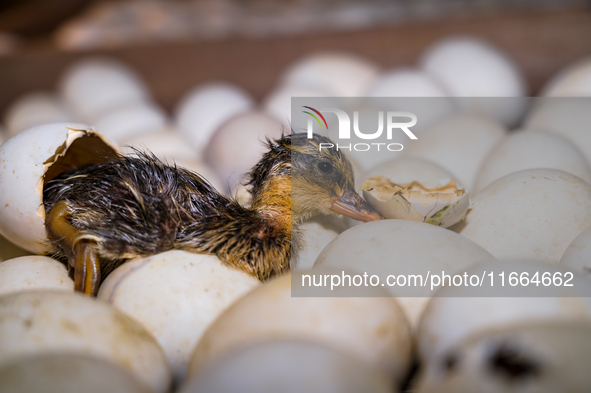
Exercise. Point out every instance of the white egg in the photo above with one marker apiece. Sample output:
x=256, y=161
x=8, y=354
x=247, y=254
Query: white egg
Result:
x=577, y=256
x=470, y=67
x=240, y=143
x=532, y=214
x=339, y=74
x=429, y=100
x=457, y=312
x=409, y=169
x=572, y=81
x=371, y=328
x=29, y=159
x=402, y=247
x=67, y=373
x=46, y=322
x=131, y=120
x=94, y=86
x=528, y=149
x=278, y=102
x=32, y=109
x=176, y=295
x=316, y=233
x=166, y=143
x=288, y=367
x=566, y=116
x=458, y=144
x=206, y=107
x=541, y=358
x=33, y=272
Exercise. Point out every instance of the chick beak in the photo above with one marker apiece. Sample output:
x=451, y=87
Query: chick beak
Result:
x=352, y=205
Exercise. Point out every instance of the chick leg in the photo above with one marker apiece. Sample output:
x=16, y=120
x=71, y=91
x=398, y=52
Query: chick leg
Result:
x=78, y=248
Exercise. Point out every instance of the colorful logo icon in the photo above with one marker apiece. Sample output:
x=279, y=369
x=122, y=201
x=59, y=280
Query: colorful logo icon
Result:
x=317, y=119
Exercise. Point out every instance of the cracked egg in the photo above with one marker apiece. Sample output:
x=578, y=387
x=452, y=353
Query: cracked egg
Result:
x=33, y=157
x=442, y=205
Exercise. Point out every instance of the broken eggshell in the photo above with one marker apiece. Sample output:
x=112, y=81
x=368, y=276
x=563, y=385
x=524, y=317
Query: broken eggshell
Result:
x=442, y=205
x=31, y=158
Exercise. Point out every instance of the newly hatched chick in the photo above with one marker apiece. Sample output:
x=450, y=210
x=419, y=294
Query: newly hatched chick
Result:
x=102, y=215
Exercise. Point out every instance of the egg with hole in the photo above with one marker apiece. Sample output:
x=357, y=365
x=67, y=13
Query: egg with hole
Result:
x=458, y=312
x=34, y=272
x=373, y=328
x=459, y=144
x=33, y=109
x=529, y=149
x=471, y=67
x=572, y=81
x=31, y=158
x=296, y=366
x=339, y=74
x=53, y=322
x=239, y=144
x=399, y=247
x=94, y=86
x=567, y=116
x=176, y=295
x=206, y=107
x=531, y=214
x=67, y=373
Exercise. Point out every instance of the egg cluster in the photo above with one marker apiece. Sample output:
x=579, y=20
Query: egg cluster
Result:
x=187, y=322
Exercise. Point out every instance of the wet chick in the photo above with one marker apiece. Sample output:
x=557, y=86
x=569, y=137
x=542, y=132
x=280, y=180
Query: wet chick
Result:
x=100, y=216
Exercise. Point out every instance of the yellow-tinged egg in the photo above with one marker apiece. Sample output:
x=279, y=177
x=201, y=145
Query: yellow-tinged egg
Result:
x=67, y=373
x=287, y=366
x=470, y=67
x=206, y=107
x=339, y=74
x=54, y=322
x=34, y=272
x=372, y=328
x=95, y=86
x=402, y=248
x=531, y=214
x=530, y=149
x=536, y=357
x=456, y=312
x=176, y=295
x=33, y=109
x=33, y=157
x=239, y=144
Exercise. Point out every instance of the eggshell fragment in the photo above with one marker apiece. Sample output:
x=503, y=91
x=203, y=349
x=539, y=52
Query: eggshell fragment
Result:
x=240, y=143
x=372, y=328
x=547, y=358
x=340, y=74
x=470, y=67
x=206, y=107
x=127, y=121
x=577, y=255
x=288, y=366
x=567, y=116
x=530, y=149
x=54, y=322
x=316, y=233
x=32, y=157
x=402, y=247
x=94, y=86
x=32, y=109
x=459, y=144
x=442, y=206
x=67, y=373
x=572, y=81
x=175, y=295
x=532, y=214
x=456, y=313
x=33, y=272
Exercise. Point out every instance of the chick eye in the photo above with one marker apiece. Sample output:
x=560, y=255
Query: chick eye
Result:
x=325, y=167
